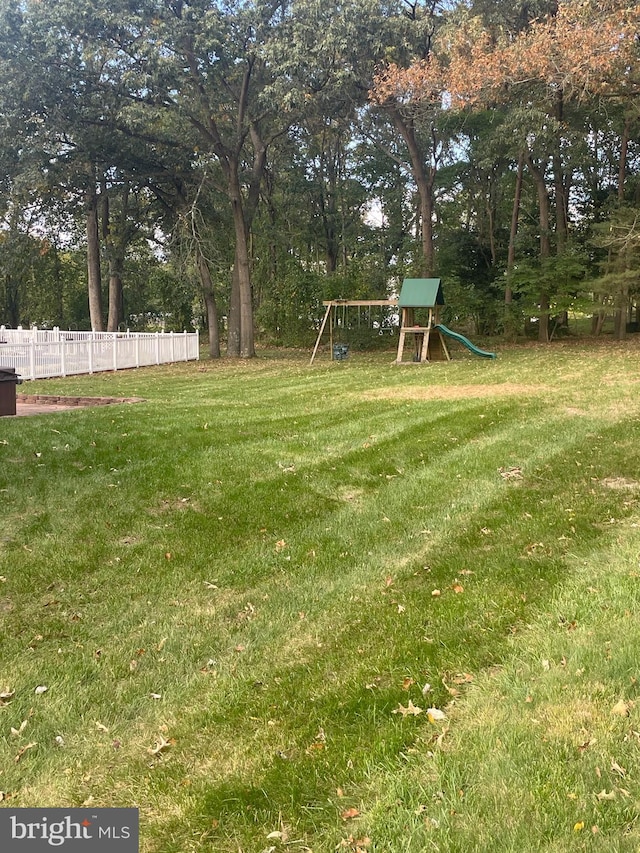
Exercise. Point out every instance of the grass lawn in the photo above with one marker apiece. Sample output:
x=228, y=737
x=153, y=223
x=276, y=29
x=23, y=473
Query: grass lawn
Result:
x=353, y=606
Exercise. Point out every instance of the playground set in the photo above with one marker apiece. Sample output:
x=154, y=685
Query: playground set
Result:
x=420, y=303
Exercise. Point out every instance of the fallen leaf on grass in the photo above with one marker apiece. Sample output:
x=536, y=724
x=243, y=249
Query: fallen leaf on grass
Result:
x=621, y=708
x=22, y=751
x=579, y=826
x=40, y=690
x=435, y=715
x=606, y=795
x=410, y=711
x=462, y=678
x=101, y=726
x=617, y=769
x=452, y=691
x=357, y=845
x=457, y=588
x=511, y=473
x=17, y=732
x=349, y=814
x=160, y=745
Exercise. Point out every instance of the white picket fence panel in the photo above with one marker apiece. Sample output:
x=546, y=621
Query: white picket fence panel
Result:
x=45, y=353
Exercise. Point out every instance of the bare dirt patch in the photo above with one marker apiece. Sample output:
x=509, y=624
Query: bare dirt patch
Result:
x=350, y=495
x=175, y=505
x=455, y=392
x=621, y=484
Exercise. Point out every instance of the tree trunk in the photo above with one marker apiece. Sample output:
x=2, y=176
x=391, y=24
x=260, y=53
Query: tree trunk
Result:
x=509, y=327
x=424, y=178
x=622, y=167
x=247, y=346
x=240, y=342
x=206, y=282
x=597, y=321
x=561, y=190
x=116, y=302
x=544, y=208
x=94, y=277
x=59, y=287
x=562, y=225
x=240, y=337
x=12, y=299
x=116, y=240
x=233, y=319
x=328, y=178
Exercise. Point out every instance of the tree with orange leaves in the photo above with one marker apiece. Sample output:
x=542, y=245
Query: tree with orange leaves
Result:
x=414, y=116
x=583, y=51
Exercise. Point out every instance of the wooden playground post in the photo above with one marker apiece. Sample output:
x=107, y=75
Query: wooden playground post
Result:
x=332, y=304
x=429, y=342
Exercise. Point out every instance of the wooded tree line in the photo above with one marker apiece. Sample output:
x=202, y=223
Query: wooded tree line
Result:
x=239, y=161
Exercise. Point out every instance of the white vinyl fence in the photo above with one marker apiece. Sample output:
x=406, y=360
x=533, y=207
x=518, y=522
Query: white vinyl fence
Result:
x=42, y=353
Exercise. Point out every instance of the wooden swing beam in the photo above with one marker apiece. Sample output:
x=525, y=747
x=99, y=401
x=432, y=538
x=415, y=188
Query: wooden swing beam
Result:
x=332, y=304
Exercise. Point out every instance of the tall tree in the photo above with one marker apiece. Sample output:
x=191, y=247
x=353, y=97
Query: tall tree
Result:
x=418, y=118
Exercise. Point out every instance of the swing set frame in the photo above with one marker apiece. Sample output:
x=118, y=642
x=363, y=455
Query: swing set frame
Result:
x=332, y=307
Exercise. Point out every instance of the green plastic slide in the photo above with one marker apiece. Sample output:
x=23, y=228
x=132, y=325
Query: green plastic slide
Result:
x=465, y=342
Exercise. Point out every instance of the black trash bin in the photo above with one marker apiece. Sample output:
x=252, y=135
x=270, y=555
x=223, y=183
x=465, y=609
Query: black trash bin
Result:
x=8, y=382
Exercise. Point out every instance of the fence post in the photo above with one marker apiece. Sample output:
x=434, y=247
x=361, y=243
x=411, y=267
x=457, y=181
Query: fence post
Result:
x=114, y=342
x=62, y=346
x=197, y=344
x=90, y=351
x=157, y=347
x=32, y=358
x=137, y=349
x=172, y=352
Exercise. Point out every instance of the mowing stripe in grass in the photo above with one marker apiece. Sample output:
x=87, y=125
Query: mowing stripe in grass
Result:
x=276, y=613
